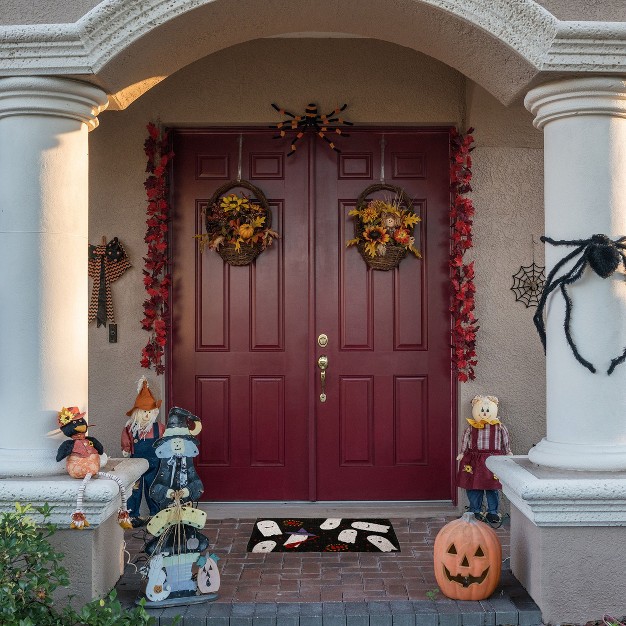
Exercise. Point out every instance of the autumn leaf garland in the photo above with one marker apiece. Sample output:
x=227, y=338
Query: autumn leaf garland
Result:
x=464, y=323
x=157, y=278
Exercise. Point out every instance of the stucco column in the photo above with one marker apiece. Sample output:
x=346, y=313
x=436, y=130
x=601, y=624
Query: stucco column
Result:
x=44, y=123
x=584, y=124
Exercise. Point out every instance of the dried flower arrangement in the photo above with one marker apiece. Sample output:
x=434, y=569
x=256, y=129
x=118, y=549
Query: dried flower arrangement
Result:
x=238, y=227
x=383, y=229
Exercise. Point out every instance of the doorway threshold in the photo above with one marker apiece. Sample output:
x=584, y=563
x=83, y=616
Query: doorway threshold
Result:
x=348, y=508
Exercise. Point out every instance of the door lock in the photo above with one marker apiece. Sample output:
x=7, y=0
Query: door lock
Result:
x=322, y=363
x=322, y=340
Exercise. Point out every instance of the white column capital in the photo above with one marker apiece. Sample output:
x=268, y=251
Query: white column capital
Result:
x=573, y=97
x=52, y=96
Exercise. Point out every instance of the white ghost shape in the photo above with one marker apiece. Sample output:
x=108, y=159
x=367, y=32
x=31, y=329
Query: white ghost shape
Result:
x=269, y=528
x=330, y=523
x=348, y=535
x=264, y=546
x=375, y=528
x=383, y=544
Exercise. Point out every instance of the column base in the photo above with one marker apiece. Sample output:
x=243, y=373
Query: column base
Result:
x=582, y=457
x=93, y=556
x=567, y=538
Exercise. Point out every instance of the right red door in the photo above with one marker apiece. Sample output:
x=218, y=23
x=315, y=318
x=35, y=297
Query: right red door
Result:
x=385, y=431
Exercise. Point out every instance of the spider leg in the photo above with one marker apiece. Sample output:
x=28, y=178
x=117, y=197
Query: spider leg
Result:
x=343, y=107
x=563, y=242
x=332, y=146
x=570, y=278
x=549, y=286
x=293, y=143
x=282, y=111
x=619, y=359
x=616, y=361
x=340, y=132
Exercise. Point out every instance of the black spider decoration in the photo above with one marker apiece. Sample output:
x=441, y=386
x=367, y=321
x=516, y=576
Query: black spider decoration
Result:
x=604, y=256
x=311, y=121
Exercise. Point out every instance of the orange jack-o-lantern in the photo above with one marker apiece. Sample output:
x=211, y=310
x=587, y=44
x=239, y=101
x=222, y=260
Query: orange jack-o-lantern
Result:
x=468, y=559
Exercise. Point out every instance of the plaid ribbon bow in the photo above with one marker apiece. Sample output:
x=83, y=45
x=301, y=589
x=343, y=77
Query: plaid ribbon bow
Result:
x=106, y=264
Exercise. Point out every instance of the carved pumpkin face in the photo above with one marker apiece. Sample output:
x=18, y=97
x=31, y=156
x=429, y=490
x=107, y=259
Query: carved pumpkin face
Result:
x=468, y=559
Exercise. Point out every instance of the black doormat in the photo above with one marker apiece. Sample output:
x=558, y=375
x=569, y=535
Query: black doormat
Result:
x=323, y=535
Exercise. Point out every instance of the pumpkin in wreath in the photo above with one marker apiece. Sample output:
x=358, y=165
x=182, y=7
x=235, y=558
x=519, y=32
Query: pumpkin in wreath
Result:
x=238, y=227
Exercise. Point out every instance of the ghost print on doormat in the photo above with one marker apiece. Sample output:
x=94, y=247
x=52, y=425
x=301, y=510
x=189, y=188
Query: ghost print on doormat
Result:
x=323, y=535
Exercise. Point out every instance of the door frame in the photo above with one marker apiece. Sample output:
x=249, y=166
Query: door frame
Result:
x=311, y=285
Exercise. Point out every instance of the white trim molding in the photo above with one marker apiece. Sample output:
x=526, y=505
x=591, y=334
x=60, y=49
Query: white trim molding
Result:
x=89, y=46
x=551, y=497
x=50, y=96
x=101, y=500
x=592, y=95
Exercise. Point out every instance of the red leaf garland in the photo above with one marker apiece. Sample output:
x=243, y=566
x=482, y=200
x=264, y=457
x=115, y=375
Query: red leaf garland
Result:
x=156, y=276
x=464, y=323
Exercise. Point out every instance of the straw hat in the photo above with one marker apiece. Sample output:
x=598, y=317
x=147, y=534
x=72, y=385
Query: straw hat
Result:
x=144, y=400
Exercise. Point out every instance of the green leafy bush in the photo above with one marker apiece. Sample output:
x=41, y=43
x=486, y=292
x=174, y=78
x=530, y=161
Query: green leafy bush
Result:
x=30, y=572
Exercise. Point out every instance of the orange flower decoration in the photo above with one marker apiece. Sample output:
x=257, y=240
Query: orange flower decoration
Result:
x=402, y=236
x=376, y=234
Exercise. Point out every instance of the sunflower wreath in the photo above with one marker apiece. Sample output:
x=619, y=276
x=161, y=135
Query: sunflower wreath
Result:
x=238, y=226
x=383, y=229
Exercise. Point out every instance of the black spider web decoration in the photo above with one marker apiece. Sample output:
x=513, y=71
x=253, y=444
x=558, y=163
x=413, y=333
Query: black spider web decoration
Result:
x=528, y=284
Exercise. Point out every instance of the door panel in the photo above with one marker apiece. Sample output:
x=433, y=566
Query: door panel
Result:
x=244, y=347
x=385, y=430
x=237, y=346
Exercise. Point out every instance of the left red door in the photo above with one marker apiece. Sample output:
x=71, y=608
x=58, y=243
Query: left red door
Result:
x=240, y=334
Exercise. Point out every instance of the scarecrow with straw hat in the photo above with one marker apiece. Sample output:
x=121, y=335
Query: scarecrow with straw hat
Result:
x=138, y=438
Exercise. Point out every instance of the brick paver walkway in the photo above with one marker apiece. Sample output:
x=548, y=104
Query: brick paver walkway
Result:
x=390, y=588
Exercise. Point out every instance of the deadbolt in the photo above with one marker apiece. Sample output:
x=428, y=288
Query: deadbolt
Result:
x=322, y=340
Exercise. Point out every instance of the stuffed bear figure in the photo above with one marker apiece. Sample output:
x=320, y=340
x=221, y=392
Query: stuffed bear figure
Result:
x=484, y=436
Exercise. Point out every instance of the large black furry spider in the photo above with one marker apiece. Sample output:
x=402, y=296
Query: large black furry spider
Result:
x=311, y=121
x=604, y=256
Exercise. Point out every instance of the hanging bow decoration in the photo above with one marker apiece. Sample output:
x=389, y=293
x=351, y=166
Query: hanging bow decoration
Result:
x=107, y=263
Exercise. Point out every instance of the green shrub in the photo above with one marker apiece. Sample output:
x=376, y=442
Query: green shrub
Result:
x=30, y=572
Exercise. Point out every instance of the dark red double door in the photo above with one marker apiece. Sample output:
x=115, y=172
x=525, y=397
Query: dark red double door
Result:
x=245, y=339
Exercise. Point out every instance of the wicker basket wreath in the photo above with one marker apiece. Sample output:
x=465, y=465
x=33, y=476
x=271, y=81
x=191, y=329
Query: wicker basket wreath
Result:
x=383, y=228
x=238, y=226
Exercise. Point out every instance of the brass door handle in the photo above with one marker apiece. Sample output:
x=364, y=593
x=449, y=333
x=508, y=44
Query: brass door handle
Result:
x=322, y=363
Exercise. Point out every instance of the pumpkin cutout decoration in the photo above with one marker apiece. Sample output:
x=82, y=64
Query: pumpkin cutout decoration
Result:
x=468, y=559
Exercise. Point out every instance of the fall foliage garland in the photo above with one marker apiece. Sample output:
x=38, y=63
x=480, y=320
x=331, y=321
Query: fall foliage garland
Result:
x=464, y=324
x=157, y=278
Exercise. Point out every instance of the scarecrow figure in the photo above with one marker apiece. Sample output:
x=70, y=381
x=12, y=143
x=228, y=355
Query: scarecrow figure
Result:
x=83, y=461
x=138, y=437
x=485, y=436
x=176, y=449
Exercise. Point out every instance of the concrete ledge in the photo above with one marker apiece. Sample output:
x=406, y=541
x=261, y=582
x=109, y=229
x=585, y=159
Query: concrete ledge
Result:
x=575, y=574
x=554, y=497
x=101, y=499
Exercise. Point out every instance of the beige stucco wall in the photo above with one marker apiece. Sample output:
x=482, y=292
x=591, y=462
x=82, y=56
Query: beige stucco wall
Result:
x=382, y=83
x=508, y=196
